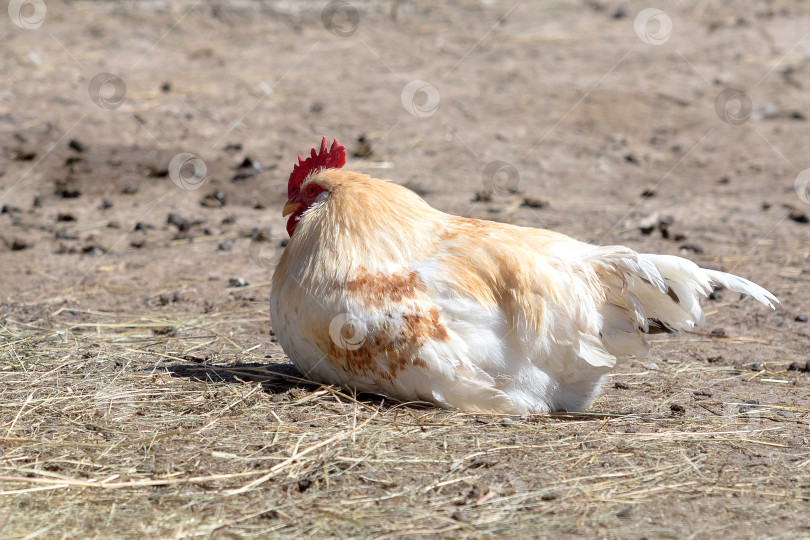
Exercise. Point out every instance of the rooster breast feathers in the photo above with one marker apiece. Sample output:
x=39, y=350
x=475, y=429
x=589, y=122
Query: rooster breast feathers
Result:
x=382, y=293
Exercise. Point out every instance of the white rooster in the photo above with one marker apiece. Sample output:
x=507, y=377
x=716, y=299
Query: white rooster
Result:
x=379, y=292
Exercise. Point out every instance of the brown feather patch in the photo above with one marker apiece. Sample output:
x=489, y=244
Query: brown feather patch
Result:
x=389, y=348
x=379, y=289
x=395, y=344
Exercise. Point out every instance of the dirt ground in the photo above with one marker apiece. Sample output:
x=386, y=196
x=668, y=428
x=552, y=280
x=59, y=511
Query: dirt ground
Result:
x=141, y=391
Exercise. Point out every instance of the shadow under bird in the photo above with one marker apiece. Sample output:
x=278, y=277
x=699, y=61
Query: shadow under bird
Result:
x=379, y=292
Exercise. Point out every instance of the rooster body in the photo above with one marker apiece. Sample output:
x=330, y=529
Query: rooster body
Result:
x=379, y=292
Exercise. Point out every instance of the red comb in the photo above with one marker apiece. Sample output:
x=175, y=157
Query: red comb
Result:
x=333, y=158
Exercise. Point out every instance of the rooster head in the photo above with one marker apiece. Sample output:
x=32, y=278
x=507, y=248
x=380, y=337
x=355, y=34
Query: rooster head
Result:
x=300, y=197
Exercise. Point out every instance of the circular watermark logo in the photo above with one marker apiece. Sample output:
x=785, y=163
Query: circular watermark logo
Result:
x=511, y=491
x=27, y=14
x=421, y=99
x=187, y=171
x=263, y=253
x=340, y=18
x=742, y=418
x=113, y=403
x=733, y=106
x=653, y=26
x=500, y=177
x=347, y=332
x=106, y=90
x=802, y=186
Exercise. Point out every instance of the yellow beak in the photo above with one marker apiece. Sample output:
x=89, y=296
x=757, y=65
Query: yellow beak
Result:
x=290, y=208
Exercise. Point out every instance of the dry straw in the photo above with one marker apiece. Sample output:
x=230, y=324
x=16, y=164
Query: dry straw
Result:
x=173, y=427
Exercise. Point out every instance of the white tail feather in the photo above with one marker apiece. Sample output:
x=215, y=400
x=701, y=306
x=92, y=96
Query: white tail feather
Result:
x=647, y=293
x=687, y=283
x=742, y=285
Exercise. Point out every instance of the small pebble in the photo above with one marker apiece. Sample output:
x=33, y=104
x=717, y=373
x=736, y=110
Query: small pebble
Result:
x=694, y=248
x=64, y=235
x=363, y=149
x=214, y=200
x=260, y=234
x=237, y=282
x=625, y=513
x=130, y=189
x=801, y=318
x=76, y=145
x=677, y=408
x=795, y=366
x=648, y=224
x=243, y=174
x=178, y=221
x=480, y=463
x=652, y=366
x=630, y=430
x=225, y=246
x=24, y=155
x=304, y=484
x=18, y=245
x=154, y=171
x=458, y=515
x=250, y=163
x=620, y=13
x=68, y=193
x=665, y=221
x=482, y=196
x=105, y=204
x=798, y=216
x=534, y=202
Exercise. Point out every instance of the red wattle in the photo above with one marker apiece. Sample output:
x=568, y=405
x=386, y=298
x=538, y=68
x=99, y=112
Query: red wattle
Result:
x=292, y=222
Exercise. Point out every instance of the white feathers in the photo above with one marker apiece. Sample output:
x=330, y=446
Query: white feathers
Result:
x=598, y=308
x=742, y=285
x=379, y=292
